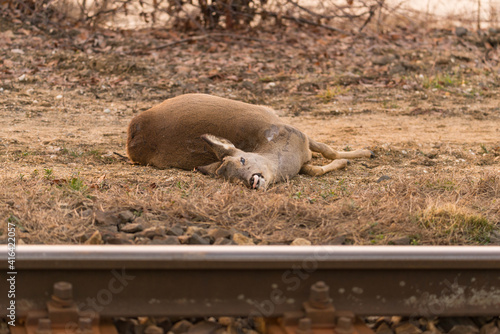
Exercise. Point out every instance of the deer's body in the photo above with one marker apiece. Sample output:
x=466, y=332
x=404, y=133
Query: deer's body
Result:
x=227, y=138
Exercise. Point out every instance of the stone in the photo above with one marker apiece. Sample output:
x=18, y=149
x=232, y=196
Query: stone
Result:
x=197, y=239
x=489, y=328
x=493, y=31
x=443, y=60
x=184, y=239
x=457, y=324
x=126, y=216
x=400, y=241
x=204, y=327
x=106, y=218
x=226, y=321
x=338, y=240
x=127, y=236
x=270, y=85
x=132, y=228
x=125, y=325
x=348, y=78
x=118, y=241
x=152, y=232
x=142, y=241
x=383, y=178
x=183, y=70
x=152, y=329
x=384, y=329
x=461, y=31
x=397, y=69
x=410, y=65
x=463, y=329
x=232, y=230
x=224, y=241
x=216, y=233
x=240, y=239
x=221, y=330
x=465, y=56
x=194, y=229
x=107, y=233
x=259, y=324
x=431, y=328
x=181, y=327
x=395, y=320
x=95, y=239
x=175, y=230
x=167, y=240
x=247, y=84
x=407, y=328
x=165, y=323
x=301, y=242
x=308, y=87
x=383, y=60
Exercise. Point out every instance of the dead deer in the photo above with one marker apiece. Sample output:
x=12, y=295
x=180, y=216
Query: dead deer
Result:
x=227, y=138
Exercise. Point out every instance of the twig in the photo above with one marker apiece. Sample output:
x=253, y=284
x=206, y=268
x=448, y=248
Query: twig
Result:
x=206, y=36
x=478, y=15
x=122, y=157
x=304, y=21
x=309, y=11
x=381, y=6
x=190, y=16
x=372, y=12
x=329, y=17
x=180, y=41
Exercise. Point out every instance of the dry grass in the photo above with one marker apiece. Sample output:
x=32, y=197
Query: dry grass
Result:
x=430, y=209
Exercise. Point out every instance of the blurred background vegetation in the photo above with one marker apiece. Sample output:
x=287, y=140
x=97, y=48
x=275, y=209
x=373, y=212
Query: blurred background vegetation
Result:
x=346, y=16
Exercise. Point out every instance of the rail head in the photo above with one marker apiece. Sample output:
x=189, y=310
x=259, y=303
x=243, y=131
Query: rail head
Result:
x=251, y=257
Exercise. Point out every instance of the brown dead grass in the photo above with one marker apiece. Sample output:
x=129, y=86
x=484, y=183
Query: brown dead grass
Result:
x=428, y=209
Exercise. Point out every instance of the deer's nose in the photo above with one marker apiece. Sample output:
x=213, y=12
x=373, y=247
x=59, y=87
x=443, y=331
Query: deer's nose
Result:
x=257, y=181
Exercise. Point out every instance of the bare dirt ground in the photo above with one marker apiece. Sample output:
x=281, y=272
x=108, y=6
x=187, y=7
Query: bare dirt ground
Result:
x=425, y=101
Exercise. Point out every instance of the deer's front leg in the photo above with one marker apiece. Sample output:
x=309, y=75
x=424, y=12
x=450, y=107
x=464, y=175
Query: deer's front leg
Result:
x=209, y=169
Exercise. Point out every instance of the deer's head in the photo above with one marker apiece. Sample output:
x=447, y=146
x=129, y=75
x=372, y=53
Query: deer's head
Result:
x=253, y=169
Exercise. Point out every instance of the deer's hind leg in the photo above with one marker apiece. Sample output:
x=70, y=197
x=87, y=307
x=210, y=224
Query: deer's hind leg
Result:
x=312, y=170
x=330, y=153
x=339, y=158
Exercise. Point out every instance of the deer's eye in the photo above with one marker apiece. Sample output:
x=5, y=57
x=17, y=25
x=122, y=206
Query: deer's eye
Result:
x=242, y=160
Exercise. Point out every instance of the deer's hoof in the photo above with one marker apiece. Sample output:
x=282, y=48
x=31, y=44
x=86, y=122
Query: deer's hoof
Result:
x=372, y=155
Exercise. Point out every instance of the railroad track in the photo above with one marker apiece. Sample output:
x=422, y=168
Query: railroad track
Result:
x=292, y=282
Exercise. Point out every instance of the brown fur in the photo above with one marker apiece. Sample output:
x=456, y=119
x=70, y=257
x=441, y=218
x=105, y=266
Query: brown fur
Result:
x=228, y=138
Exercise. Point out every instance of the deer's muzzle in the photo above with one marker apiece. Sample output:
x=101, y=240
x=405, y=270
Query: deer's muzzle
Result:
x=257, y=181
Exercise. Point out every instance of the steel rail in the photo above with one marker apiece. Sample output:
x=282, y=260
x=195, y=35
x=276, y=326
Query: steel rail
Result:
x=259, y=280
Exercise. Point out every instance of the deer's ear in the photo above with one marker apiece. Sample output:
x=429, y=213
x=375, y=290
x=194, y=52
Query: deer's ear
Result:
x=220, y=146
